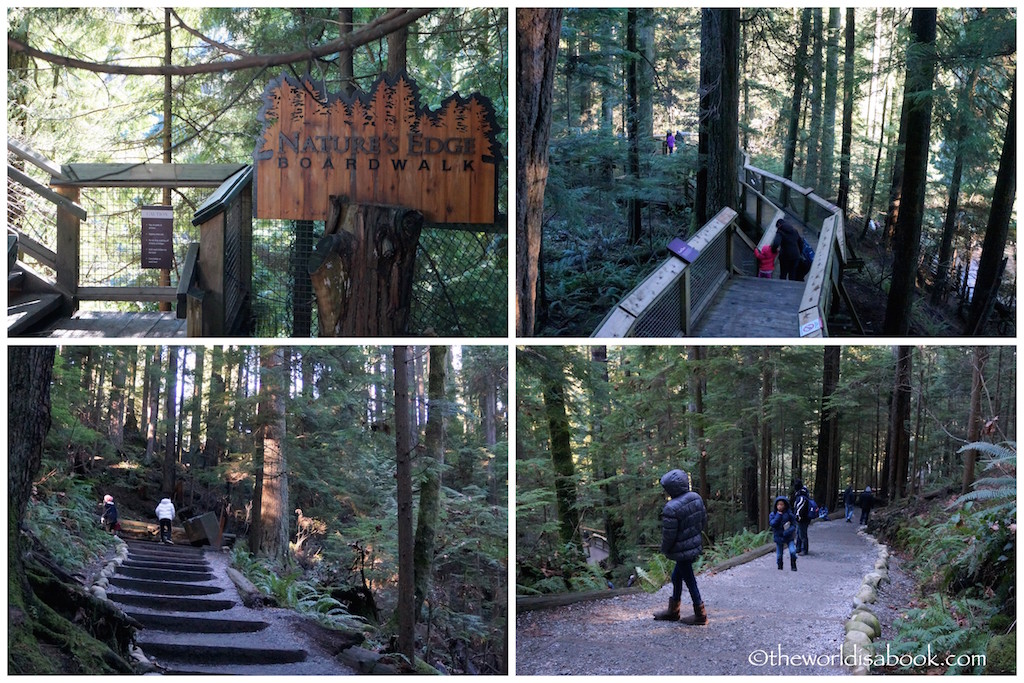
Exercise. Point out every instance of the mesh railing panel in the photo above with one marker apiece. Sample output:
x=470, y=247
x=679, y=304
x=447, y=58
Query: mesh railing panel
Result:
x=743, y=256
x=110, y=249
x=706, y=274
x=662, y=318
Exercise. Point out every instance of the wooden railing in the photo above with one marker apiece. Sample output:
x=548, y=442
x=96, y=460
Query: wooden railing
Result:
x=670, y=300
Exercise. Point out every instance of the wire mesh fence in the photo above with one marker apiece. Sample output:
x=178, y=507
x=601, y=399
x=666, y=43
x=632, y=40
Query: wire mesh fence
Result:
x=460, y=286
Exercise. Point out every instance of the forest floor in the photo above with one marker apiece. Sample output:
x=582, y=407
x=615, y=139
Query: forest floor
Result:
x=755, y=612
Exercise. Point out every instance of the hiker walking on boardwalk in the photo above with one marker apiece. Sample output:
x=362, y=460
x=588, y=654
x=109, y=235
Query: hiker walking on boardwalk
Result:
x=165, y=513
x=670, y=142
x=867, y=499
x=682, y=521
x=766, y=260
x=802, y=510
x=781, y=534
x=849, y=498
x=109, y=517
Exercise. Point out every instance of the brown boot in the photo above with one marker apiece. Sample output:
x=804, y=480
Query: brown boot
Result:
x=699, y=618
x=671, y=614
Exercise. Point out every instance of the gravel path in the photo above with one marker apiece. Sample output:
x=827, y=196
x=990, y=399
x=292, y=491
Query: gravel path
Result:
x=761, y=620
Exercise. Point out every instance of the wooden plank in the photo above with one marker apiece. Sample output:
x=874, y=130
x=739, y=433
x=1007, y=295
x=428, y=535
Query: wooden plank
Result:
x=812, y=324
x=648, y=290
x=46, y=193
x=128, y=293
x=188, y=276
x=38, y=251
x=712, y=229
x=27, y=309
x=616, y=324
x=69, y=227
x=752, y=307
x=23, y=151
x=145, y=175
x=533, y=602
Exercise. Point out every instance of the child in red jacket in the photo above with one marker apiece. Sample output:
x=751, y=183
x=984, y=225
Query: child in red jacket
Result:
x=766, y=260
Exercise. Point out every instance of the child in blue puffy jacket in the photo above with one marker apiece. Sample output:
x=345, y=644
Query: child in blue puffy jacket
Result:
x=781, y=534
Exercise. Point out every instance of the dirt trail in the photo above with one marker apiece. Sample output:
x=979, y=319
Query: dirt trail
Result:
x=761, y=620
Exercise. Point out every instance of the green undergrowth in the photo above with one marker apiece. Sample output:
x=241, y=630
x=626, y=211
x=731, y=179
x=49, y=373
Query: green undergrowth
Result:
x=962, y=552
x=290, y=588
x=659, y=568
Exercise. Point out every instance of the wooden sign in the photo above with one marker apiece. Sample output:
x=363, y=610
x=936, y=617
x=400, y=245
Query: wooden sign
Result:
x=157, y=236
x=378, y=147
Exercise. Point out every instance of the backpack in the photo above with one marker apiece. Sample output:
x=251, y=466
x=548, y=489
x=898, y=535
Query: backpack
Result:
x=813, y=509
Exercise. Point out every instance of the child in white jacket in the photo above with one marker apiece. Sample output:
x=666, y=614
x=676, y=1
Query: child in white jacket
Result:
x=165, y=513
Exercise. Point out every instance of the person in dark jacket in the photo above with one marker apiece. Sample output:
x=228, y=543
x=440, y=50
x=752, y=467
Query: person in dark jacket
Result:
x=109, y=517
x=867, y=499
x=849, y=498
x=802, y=510
x=682, y=521
x=781, y=534
x=789, y=245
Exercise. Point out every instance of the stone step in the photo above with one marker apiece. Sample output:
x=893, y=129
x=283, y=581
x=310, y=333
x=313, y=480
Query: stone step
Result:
x=184, y=652
x=165, y=574
x=173, y=603
x=163, y=587
x=182, y=551
x=159, y=564
x=184, y=624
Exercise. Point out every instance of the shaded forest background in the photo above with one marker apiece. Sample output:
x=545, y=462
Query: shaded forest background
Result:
x=295, y=449
x=821, y=97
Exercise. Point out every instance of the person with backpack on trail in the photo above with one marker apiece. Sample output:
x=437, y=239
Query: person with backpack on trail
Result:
x=165, y=513
x=867, y=499
x=802, y=510
x=682, y=521
x=789, y=245
x=781, y=534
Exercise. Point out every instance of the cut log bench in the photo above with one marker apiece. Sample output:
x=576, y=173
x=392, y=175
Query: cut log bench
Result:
x=194, y=623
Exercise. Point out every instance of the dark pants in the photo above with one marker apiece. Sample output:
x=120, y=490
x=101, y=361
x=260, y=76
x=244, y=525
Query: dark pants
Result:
x=684, y=572
x=165, y=529
x=779, y=545
x=788, y=267
x=801, y=536
x=864, y=512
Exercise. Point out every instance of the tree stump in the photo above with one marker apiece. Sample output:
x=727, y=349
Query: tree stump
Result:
x=362, y=269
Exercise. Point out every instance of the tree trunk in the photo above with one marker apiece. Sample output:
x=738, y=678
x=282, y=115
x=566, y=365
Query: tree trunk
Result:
x=272, y=539
x=152, y=420
x=216, y=413
x=362, y=270
x=869, y=211
x=430, y=483
x=168, y=142
x=170, y=436
x=826, y=477
x=718, y=133
x=975, y=419
x=397, y=50
x=917, y=105
x=345, y=69
x=844, y=155
x=115, y=415
x=606, y=466
x=197, y=403
x=403, y=446
x=799, y=73
x=828, y=137
x=899, y=424
x=561, y=456
x=698, y=354
x=765, y=475
x=633, y=57
x=944, y=261
x=986, y=284
x=536, y=58
x=814, y=133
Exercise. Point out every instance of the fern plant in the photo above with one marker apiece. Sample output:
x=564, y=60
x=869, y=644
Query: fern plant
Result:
x=657, y=574
x=942, y=628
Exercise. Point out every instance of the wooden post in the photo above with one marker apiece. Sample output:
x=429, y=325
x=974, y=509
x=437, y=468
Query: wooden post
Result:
x=69, y=228
x=211, y=276
x=362, y=270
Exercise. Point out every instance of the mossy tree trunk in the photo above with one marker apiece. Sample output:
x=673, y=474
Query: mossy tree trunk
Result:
x=430, y=483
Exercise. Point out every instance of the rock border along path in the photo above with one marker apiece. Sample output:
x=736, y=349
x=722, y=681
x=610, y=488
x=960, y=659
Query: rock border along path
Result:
x=193, y=620
x=762, y=621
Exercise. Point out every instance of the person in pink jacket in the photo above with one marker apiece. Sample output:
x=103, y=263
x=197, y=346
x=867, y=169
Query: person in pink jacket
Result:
x=766, y=260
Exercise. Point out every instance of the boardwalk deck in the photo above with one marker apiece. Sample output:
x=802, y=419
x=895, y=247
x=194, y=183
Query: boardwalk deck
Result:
x=101, y=324
x=753, y=307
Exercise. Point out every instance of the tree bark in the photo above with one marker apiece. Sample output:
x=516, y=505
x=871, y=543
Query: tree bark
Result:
x=362, y=270
x=799, y=74
x=899, y=425
x=170, y=436
x=633, y=57
x=717, y=175
x=826, y=478
x=975, y=419
x=152, y=420
x=814, y=132
x=561, y=456
x=828, y=137
x=607, y=470
x=345, y=68
x=272, y=538
x=117, y=401
x=917, y=106
x=536, y=59
x=197, y=403
x=216, y=412
x=403, y=446
x=986, y=284
x=430, y=482
x=843, y=200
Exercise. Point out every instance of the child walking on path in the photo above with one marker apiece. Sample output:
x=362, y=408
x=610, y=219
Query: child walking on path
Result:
x=766, y=260
x=781, y=534
x=165, y=513
x=682, y=521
